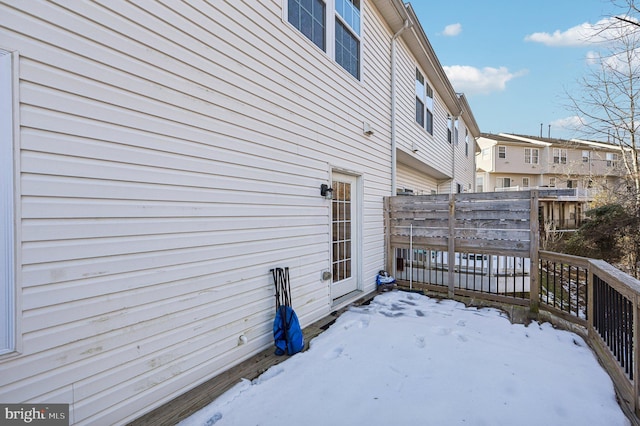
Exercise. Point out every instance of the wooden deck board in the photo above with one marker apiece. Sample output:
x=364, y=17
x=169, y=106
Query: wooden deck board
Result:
x=199, y=397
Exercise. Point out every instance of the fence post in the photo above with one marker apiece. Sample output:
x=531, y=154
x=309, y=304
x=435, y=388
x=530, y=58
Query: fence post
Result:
x=452, y=244
x=534, y=248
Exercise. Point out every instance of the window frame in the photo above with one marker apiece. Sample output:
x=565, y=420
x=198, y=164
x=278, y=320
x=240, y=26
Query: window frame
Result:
x=424, y=96
x=332, y=22
x=561, y=157
x=8, y=237
x=466, y=142
x=586, y=158
x=527, y=184
x=611, y=159
x=502, y=152
x=531, y=156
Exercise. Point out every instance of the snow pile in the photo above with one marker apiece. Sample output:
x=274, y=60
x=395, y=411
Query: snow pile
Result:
x=407, y=359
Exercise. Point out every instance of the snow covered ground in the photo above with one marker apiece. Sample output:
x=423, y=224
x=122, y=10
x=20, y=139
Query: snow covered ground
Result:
x=406, y=359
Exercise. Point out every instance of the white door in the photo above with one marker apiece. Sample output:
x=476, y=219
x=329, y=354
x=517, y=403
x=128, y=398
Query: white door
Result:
x=345, y=235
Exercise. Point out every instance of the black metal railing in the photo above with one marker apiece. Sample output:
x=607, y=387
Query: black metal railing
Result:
x=485, y=273
x=613, y=320
x=564, y=284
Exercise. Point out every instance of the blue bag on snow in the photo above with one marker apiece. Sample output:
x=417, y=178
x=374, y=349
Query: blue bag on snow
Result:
x=287, y=334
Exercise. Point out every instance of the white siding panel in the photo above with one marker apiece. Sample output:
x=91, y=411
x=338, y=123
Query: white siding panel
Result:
x=171, y=154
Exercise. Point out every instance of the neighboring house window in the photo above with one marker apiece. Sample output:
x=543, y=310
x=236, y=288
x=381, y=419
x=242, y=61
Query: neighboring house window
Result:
x=7, y=244
x=449, y=127
x=586, y=155
x=504, y=182
x=424, y=103
x=552, y=182
x=525, y=182
x=531, y=155
x=612, y=159
x=559, y=156
x=502, y=152
x=309, y=17
x=572, y=183
x=479, y=184
x=466, y=142
x=458, y=188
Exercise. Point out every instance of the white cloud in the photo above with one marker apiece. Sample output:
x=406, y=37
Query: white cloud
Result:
x=452, y=30
x=567, y=123
x=582, y=35
x=471, y=80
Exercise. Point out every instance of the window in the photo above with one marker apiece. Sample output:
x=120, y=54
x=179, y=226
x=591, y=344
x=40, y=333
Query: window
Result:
x=485, y=153
x=612, y=159
x=586, y=155
x=479, y=184
x=525, y=182
x=531, y=155
x=449, y=128
x=466, y=142
x=504, y=182
x=310, y=18
x=552, y=182
x=502, y=152
x=559, y=156
x=455, y=131
x=7, y=290
x=348, y=35
x=458, y=188
x=424, y=103
x=572, y=183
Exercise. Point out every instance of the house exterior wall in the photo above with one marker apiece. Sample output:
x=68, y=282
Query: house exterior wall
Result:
x=170, y=155
x=442, y=163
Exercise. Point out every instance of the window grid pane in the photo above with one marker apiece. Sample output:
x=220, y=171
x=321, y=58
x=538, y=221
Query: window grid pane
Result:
x=308, y=16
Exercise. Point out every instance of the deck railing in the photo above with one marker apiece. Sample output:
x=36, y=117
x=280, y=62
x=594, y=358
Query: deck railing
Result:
x=485, y=246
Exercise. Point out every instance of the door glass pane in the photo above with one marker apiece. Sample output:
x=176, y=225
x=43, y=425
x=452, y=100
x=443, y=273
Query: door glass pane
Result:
x=341, y=227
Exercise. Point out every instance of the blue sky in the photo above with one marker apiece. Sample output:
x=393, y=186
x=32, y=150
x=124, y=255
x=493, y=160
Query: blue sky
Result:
x=514, y=59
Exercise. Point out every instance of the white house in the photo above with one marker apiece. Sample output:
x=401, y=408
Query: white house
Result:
x=158, y=159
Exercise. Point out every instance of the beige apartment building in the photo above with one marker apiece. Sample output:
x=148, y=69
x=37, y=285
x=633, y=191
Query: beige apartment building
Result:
x=509, y=162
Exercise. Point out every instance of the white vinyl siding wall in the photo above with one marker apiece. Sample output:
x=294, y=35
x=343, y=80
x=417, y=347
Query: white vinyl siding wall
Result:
x=435, y=150
x=169, y=159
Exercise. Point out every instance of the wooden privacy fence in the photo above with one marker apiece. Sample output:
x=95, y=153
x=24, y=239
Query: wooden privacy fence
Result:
x=492, y=223
x=446, y=237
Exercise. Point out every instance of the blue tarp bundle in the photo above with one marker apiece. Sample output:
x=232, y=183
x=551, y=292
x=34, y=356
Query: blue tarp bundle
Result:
x=287, y=334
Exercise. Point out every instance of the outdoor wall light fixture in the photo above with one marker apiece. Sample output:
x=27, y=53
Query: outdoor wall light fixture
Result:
x=326, y=191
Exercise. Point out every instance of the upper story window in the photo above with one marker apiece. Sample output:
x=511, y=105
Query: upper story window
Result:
x=348, y=35
x=586, y=155
x=559, y=156
x=466, y=142
x=502, y=152
x=449, y=128
x=424, y=103
x=455, y=131
x=7, y=244
x=310, y=17
x=531, y=155
x=612, y=159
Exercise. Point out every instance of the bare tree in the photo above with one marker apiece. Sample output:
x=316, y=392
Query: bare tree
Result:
x=608, y=103
x=608, y=106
